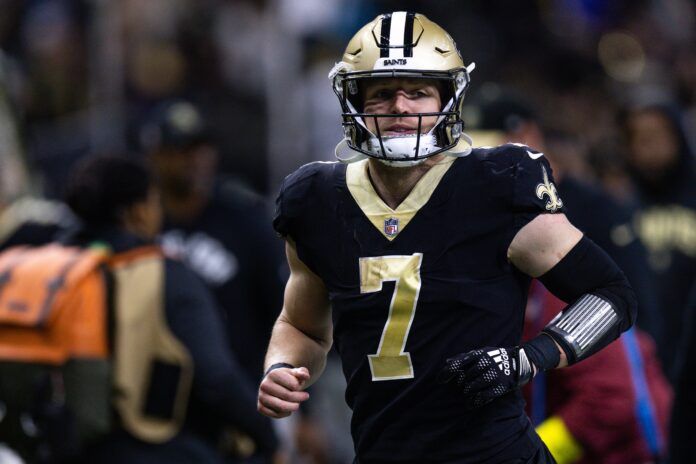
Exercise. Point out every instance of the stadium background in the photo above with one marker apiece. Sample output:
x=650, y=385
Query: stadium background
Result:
x=78, y=78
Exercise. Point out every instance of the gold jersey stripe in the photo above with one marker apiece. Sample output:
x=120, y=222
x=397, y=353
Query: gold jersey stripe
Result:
x=376, y=210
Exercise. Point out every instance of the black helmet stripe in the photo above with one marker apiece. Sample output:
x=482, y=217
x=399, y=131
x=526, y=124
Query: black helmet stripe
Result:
x=384, y=36
x=396, y=34
x=408, y=35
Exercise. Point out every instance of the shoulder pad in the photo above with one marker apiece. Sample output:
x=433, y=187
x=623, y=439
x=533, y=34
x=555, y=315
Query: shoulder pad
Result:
x=307, y=171
x=299, y=183
x=506, y=160
x=529, y=172
x=297, y=191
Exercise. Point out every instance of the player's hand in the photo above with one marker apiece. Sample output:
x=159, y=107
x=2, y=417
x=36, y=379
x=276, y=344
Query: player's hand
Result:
x=280, y=392
x=485, y=374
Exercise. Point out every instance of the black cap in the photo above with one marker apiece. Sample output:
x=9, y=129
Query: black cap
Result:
x=176, y=124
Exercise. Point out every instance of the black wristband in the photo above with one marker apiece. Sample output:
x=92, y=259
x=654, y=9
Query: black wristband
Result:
x=542, y=352
x=278, y=366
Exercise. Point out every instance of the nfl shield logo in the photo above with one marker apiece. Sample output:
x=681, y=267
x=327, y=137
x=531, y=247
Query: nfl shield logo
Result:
x=391, y=227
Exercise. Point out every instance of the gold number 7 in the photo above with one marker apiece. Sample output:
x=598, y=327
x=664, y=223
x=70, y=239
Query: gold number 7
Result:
x=391, y=362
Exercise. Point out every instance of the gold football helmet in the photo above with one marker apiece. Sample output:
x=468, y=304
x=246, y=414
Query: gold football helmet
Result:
x=401, y=45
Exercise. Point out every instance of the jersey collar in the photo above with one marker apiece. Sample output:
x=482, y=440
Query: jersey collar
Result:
x=390, y=222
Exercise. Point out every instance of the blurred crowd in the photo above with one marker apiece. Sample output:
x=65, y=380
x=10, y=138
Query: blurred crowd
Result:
x=221, y=99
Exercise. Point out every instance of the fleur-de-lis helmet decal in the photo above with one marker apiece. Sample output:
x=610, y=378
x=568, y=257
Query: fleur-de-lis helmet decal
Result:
x=554, y=203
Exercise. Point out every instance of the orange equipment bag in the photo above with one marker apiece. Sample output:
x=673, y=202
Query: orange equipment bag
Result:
x=52, y=304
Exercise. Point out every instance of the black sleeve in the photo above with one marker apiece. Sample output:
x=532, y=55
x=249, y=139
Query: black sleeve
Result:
x=219, y=382
x=522, y=178
x=589, y=269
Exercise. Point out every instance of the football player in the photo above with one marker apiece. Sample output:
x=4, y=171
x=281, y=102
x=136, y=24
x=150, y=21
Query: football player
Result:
x=413, y=255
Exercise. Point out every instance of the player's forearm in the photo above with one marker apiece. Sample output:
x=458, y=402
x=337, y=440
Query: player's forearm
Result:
x=602, y=305
x=291, y=345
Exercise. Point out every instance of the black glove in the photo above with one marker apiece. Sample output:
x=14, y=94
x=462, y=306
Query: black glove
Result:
x=487, y=373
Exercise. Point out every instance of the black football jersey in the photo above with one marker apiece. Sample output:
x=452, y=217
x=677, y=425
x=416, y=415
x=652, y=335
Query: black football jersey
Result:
x=412, y=286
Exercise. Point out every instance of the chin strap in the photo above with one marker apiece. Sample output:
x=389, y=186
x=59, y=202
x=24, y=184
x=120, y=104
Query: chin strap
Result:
x=464, y=146
x=347, y=155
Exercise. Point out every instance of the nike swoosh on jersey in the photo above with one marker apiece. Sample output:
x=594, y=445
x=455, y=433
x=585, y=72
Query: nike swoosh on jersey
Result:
x=534, y=155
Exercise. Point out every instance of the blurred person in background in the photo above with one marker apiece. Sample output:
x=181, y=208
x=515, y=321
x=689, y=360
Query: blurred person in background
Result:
x=661, y=165
x=219, y=228
x=118, y=204
x=609, y=168
x=24, y=218
x=53, y=91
